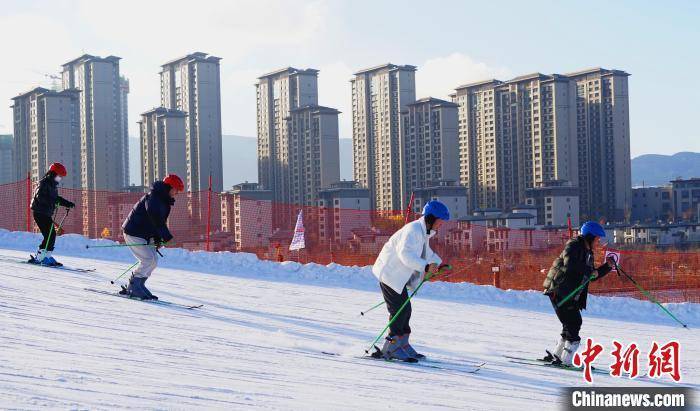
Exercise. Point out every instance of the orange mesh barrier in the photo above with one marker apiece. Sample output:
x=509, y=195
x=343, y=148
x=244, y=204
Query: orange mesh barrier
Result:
x=223, y=221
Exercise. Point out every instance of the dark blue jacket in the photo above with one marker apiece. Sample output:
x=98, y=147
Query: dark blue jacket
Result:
x=148, y=219
x=46, y=196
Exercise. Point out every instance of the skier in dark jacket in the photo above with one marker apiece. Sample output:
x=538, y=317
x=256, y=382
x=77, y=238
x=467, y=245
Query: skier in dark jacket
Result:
x=43, y=206
x=147, y=224
x=574, y=267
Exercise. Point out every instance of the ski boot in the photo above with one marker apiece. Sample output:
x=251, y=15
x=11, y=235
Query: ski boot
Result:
x=403, y=342
x=148, y=292
x=50, y=261
x=556, y=353
x=40, y=255
x=392, y=350
x=135, y=289
x=567, y=356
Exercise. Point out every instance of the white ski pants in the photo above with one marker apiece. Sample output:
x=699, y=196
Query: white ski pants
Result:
x=147, y=256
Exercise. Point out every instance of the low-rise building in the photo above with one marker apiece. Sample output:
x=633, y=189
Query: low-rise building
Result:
x=446, y=191
x=556, y=202
x=652, y=204
x=368, y=240
x=246, y=211
x=686, y=198
x=494, y=230
x=343, y=207
x=666, y=235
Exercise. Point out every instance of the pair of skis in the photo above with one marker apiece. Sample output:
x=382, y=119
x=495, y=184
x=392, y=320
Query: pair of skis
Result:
x=542, y=363
x=156, y=302
x=90, y=270
x=437, y=364
x=58, y=267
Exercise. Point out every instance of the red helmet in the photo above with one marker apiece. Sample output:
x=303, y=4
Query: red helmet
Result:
x=175, y=182
x=59, y=169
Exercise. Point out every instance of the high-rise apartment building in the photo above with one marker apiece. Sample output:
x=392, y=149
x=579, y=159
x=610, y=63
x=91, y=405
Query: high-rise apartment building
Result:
x=379, y=96
x=124, y=112
x=603, y=138
x=7, y=163
x=278, y=93
x=192, y=84
x=46, y=130
x=313, y=160
x=298, y=151
x=101, y=135
x=163, y=141
x=533, y=129
x=430, y=144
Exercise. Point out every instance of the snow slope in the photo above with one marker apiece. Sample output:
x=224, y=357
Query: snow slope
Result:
x=257, y=341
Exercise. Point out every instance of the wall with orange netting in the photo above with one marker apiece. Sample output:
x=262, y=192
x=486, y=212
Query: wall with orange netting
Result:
x=229, y=222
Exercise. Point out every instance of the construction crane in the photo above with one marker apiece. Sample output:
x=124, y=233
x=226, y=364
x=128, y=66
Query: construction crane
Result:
x=54, y=80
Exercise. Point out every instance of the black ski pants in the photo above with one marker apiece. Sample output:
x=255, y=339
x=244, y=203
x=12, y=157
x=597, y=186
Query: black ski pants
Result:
x=45, y=222
x=394, y=301
x=570, y=317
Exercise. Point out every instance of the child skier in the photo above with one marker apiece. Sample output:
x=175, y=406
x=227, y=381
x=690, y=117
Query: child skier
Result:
x=403, y=263
x=147, y=224
x=573, y=267
x=43, y=205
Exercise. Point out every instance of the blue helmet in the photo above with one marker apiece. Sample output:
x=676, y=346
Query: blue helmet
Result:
x=438, y=209
x=592, y=228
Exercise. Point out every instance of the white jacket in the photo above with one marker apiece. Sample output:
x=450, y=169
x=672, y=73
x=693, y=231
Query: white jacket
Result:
x=400, y=264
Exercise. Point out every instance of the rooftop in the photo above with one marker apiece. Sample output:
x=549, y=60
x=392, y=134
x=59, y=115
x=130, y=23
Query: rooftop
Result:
x=434, y=101
x=46, y=92
x=686, y=180
x=32, y=91
x=90, y=57
x=316, y=107
x=196, y=56
x=509, y=216
x=387, y=66
x=597, y=70
x=289, y=70
x=492, y=81
x=165, y=111
x=544, y=77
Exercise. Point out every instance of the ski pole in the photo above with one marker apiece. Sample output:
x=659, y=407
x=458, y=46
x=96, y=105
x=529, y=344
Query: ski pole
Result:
x=648, y=295
x=448, y=267
x=379, y=304
x=118, y=245
x=125, y=271
x=370, y=309
x=60, y=225
x=568, y=297
x=48, y=238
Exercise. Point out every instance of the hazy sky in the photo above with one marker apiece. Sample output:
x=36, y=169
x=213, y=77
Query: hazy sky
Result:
x=451, y=43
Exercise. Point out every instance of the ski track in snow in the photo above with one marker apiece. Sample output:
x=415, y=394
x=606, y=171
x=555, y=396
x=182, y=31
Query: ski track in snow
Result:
x=257, y=342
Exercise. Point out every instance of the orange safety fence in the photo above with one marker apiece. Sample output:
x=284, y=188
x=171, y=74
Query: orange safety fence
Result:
x=509, y=258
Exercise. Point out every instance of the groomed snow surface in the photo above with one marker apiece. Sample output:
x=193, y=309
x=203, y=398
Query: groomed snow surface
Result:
x=258, y=340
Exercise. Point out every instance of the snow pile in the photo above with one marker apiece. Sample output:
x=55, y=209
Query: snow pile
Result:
x=246, y=265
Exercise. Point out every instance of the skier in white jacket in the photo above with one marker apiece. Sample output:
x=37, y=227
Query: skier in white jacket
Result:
x=402, y=265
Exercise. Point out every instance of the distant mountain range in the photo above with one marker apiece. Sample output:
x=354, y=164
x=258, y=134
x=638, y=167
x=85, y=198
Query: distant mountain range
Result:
x=659, y=169
x=241, y=163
